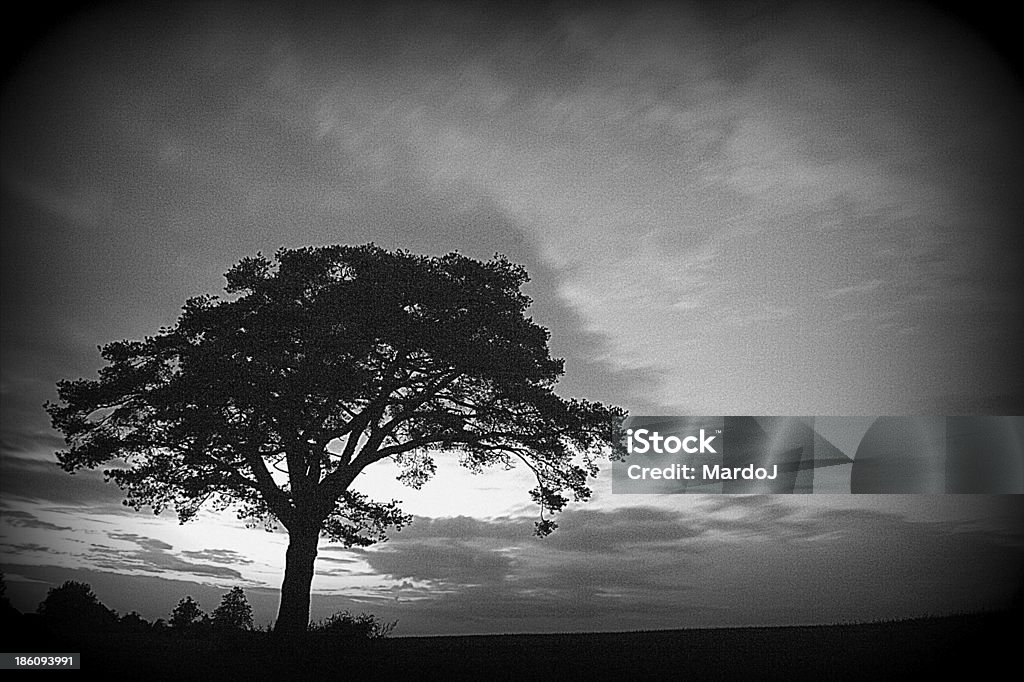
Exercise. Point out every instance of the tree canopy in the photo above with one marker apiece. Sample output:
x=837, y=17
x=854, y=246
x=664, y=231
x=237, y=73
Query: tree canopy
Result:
x=318, y=364
x=234, y=611
x=186, y=614
x=74, y=607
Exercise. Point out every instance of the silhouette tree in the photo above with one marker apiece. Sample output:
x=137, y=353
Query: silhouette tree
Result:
x=329, y=360
x=73, y=607
x=234, y=611
x=133, y=622
x=186, y=614
x=7, y=610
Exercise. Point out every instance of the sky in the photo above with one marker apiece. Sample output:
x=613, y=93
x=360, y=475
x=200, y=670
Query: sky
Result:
x=734, y=208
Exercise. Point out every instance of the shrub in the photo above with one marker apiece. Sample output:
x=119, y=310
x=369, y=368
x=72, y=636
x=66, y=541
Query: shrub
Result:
x=345, y=625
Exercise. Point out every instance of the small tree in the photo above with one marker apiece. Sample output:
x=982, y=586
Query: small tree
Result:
x=234, y=611
x=186, y=614
x=328, y=361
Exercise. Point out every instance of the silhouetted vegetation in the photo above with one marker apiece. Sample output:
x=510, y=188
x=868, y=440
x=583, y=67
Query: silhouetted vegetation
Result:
x=187, y=614
x=344, y=625
x=382, y=355
x=974, y=644
x=234, y=612
x=977, y=647
x=7, y=612
x=133, y=622
x=4, y=602
x=73, y=607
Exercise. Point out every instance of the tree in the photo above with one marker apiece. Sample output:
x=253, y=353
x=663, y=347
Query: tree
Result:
x=234, y=611
x=325, y=361
x=7, y=610
x=74, y=607
x=186, y=614
x=133, y=622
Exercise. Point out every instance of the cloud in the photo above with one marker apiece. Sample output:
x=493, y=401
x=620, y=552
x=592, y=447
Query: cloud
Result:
x=23, y=519
x=726, y=560
x=151, y=544
x=723, y=560
x=44, y=481
x=153, y=556
x=17, y=548
x=448, y=563
x=95, y=545
x=218, y=556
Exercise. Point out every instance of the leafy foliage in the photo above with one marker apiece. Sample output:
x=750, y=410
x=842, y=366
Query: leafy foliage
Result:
x=7, y=610
x=234, y=611
x=379, y=354
x=344, y=625
x=74, y=607
x=186, y=614
x=133, y=622
x=319, y=364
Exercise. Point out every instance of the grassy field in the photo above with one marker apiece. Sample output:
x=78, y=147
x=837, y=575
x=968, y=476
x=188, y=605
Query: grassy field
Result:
x=977, y=645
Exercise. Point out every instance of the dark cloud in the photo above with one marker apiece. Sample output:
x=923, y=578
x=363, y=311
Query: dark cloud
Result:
x=728, y=560
x=14, y=548
x=26, y=520
x=218, y=556
x=454, y=563
x=725, y=560
x=143, y=542
x=155, y=561
x=45, y=481
x=594, y=531
x=151, y=596
x=466, y=528
x=154, y=556
x=30, y=441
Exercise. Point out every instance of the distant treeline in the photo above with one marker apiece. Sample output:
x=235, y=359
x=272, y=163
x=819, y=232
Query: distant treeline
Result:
x=74, y=608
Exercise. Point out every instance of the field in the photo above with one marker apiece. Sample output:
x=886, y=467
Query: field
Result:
x=971, y=644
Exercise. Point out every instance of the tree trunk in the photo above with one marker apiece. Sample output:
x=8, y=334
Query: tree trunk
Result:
x=293, y=614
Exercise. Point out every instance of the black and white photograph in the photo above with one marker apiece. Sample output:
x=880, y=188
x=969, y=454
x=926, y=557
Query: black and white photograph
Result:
x=324, y=326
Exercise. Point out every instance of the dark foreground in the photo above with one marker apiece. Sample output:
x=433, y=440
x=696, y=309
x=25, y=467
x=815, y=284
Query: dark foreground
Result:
x=974, y=644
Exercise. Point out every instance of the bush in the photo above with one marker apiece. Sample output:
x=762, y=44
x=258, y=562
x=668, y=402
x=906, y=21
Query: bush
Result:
x=344, y=625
